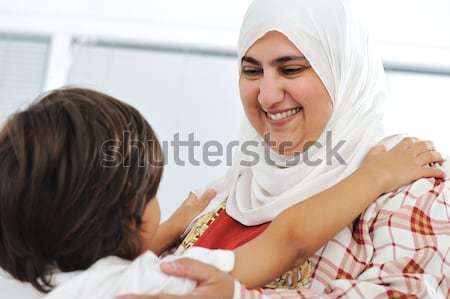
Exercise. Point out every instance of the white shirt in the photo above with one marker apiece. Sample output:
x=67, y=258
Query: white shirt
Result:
x=113, y=276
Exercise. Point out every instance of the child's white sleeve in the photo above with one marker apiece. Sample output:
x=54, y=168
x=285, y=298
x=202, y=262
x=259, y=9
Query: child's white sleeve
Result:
x=221, y=259
x=145, y=276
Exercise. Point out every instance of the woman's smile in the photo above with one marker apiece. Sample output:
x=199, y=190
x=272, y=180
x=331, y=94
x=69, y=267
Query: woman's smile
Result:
x=279, y=118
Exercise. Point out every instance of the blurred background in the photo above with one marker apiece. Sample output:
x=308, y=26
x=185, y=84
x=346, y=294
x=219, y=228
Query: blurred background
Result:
x=175, y=60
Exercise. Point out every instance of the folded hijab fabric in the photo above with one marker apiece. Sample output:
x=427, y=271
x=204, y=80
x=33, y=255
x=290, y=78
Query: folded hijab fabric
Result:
x=340, y=51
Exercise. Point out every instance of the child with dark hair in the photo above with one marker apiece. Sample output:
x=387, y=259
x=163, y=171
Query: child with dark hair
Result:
x=79, y=175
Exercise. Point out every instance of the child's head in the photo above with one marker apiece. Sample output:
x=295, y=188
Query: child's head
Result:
x=77, y=170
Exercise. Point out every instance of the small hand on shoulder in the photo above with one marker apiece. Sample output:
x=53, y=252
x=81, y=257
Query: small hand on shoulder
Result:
x=409, y=160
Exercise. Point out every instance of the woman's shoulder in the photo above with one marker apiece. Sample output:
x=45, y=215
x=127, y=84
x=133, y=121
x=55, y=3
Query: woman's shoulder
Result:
x=425, y=198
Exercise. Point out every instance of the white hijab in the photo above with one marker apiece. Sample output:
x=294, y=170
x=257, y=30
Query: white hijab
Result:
x=341, y=53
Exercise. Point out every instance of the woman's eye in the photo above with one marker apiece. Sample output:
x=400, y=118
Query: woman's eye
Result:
x=251, y=72
x=288, y=71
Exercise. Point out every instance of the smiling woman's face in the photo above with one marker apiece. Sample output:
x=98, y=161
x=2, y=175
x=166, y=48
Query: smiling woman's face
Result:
x=282, y=95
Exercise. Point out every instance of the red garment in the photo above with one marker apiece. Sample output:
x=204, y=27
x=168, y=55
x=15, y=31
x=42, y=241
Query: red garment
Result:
x=227, y=233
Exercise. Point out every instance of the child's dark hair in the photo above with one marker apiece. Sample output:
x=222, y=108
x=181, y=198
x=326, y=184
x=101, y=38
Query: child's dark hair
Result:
x=73, y=186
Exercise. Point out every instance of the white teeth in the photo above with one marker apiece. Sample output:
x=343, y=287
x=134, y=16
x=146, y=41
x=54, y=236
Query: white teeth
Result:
x=283, y=115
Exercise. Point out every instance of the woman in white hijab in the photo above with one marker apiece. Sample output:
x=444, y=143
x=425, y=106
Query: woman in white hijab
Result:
x=309, y=74
x=336, y=91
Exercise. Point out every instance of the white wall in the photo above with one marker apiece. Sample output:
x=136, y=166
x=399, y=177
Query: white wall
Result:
x=412, y=32
x=200, y=22
x=22, y=71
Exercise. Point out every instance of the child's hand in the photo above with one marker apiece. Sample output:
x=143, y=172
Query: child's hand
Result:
x=190, y=208
x=408, y=161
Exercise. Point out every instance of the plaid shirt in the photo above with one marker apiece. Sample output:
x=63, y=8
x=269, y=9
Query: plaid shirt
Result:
x=398, y=248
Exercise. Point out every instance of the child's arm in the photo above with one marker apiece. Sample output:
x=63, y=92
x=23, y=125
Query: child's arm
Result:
x=165, y=238
x=301, y=230
x=169, y=232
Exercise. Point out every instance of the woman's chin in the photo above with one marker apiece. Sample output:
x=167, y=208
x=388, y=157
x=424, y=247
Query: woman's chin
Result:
x=285, y=145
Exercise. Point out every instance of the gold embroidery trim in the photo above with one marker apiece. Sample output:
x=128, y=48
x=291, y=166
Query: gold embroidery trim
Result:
x=297, y=278
x=201, y=225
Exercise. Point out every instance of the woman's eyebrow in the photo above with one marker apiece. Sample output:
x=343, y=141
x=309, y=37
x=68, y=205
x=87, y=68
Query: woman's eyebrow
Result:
x=275, y=62
x=251, y=60
x=285, y=59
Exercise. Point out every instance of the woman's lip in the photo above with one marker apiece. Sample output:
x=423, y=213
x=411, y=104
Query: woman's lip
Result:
x=281, y=122
x=284, y=110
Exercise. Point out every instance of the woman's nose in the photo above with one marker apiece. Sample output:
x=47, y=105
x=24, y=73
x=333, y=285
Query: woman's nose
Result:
x=270, y=92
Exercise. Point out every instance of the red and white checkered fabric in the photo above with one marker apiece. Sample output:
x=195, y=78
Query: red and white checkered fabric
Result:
x=398, y=248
